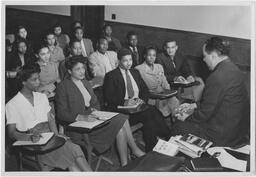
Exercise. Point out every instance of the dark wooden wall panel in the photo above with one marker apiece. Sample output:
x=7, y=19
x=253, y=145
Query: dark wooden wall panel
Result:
x=36, y=22
x=190, y=43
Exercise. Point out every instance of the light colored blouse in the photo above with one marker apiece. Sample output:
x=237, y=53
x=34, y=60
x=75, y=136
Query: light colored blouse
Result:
x=48, y=76
x=154, y=79
x=57, y=54
x=21, y=112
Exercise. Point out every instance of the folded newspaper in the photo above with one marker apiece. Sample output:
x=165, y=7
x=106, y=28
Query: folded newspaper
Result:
x=191, y=145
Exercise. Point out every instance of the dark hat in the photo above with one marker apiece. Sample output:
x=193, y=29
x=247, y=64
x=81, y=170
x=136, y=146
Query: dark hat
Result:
x=123, y=52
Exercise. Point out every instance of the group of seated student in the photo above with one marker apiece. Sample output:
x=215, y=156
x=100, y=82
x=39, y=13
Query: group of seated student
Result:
x=64, y=67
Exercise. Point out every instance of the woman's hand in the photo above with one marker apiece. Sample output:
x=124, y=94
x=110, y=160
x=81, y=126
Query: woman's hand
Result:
x=63, y=136
x=35, y=137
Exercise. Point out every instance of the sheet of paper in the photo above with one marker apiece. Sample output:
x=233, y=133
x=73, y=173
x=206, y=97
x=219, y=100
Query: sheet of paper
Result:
x=43, y=140
x=103, y=115
x=245, y=149
x=227, y=160
x=166, y=148
x=84, y=124
x=128, y=107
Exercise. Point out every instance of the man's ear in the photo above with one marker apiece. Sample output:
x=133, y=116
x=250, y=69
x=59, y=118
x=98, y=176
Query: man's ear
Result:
x=177, y=47
x=69, y=71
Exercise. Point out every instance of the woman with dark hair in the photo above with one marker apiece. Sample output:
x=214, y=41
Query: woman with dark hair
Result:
x=14, y=61
x=62, y=39
x=28, y=115
x=56, y=52
x=113, y=43
x=49, y=74
x=153, y=76
x=22, y=33
x=75, y=100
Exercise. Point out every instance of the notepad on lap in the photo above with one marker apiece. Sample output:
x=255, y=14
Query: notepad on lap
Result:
x=101, y=118
x=42, y=141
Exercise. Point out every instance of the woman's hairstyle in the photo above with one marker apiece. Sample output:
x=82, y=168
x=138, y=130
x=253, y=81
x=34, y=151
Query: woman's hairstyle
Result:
x=71, y=43
x=27, y=70
x=20, y=27
x=73, y=24
x=73, y=61
x=147, y=48
x=49, y=32
x=18, y=41
x=105, y=26
x=220, y=46
x=40, y=46
x=56, y=25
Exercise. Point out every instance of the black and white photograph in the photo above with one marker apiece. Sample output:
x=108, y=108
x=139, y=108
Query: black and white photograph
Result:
x=117, y=86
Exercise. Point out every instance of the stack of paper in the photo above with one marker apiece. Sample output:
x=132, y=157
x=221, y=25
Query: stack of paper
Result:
x=42, y=141
x=227, y=160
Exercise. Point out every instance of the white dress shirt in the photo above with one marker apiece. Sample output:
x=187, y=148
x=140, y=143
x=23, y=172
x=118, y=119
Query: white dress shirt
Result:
x=83, y=48
x=134, y=84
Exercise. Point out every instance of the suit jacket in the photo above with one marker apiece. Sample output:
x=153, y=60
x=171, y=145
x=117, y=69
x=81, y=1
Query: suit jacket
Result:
x=140, y=52
x=182, y=68
x=114, y=88
x=70, y=102
x=223, y=113
x=88, y=46
x=114, y=44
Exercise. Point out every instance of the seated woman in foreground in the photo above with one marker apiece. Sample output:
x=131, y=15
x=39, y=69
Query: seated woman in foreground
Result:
x=75, y=100
x=153, y=75
x=29, y=113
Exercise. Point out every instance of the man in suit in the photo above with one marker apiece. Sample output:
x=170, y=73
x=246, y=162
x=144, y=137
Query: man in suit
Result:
x=86, y=44
x=176, y=68
x=136, y=50
x=124, y=86
x=223, y=113
x=102, y=61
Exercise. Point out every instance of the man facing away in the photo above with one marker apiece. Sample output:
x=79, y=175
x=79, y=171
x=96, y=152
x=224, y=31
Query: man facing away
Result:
x=223, y=114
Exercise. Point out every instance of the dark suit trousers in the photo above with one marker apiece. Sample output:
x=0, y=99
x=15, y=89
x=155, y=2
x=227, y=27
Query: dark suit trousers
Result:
x=154, y=126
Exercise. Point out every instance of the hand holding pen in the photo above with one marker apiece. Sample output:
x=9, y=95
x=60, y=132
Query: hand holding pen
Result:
x=34, y=135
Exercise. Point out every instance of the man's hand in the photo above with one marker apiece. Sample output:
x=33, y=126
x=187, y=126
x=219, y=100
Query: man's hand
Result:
x=184, y=111
x=190, y=79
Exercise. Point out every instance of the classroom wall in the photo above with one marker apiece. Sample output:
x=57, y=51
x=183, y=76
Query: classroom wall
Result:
x=60, y=10
x=233, y=21
x=186, y=28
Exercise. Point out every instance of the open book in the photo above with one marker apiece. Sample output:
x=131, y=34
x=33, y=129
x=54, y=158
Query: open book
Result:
x=42, y=141
x=191, y=145
x=101, y=117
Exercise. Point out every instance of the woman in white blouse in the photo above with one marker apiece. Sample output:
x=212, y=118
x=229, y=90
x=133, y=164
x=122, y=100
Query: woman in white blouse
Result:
x=29, y=113
x=153, y=75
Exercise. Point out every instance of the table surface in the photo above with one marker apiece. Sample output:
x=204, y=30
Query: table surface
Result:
x=54, y=143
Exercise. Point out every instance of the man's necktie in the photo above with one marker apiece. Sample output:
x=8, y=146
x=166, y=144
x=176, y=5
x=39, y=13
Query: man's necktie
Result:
x=172, y=59
x=129, y=85
x=136, y=55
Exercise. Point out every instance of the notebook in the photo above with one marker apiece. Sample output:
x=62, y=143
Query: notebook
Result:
x=42, y=141
x=102, y=116
x=206, y=164
x=128, y=107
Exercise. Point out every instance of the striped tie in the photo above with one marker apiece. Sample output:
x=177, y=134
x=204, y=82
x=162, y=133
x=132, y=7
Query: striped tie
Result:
x=129, y=85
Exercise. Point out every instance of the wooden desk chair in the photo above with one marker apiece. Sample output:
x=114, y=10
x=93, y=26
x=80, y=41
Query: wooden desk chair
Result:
x=87, y=146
